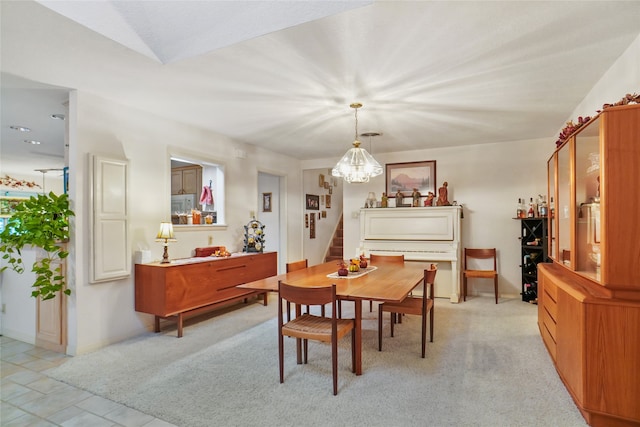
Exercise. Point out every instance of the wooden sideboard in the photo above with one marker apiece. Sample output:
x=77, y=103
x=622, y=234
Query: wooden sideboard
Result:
x=193, y=285
x=594, y=341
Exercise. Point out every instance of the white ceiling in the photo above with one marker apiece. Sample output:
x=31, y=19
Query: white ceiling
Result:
x=281, y=74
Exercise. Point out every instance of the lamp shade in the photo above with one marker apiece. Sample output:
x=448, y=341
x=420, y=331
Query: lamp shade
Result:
x=166, y=231
x=357, y=165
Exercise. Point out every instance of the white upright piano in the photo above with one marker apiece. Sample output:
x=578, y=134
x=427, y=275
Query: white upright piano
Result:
x=420, y=234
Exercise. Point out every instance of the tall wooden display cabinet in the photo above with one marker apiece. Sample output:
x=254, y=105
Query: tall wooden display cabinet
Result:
x=589, y=297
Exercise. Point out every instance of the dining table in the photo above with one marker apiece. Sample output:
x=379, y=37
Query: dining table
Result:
x=389, y=282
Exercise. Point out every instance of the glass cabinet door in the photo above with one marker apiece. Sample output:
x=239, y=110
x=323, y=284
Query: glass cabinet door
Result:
x=551, y=232
x=563, y=206
x=587, y=171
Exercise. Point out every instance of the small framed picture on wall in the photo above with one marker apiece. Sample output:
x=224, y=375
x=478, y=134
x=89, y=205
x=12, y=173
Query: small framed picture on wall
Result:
x=266, y=202
x=312, y=225
x=312, y=202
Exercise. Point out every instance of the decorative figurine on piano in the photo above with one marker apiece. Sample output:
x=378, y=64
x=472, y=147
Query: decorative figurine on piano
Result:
x=429, y=200
x=385, y=201
x=443, y=195
x=399, y=199
x=416, y=197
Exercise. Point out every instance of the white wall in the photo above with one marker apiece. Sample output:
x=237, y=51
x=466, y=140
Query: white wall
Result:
x=18, y=319
x=100, y=314
x=622, y=77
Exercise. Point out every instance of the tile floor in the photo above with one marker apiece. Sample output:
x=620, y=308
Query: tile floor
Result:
x=30, y=398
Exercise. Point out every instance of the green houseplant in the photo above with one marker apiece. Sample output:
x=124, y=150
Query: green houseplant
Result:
x=41, y=221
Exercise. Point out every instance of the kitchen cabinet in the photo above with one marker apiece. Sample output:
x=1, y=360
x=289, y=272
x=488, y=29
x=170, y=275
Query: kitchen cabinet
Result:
x=186, y=180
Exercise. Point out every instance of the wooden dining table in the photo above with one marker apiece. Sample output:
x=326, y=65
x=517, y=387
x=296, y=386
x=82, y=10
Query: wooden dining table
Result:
x=387, y=282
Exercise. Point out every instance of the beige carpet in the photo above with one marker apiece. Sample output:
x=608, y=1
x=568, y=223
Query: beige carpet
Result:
x=487, y=366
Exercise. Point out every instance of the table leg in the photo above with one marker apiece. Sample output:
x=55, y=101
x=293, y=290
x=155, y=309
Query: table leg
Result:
x=358, y=332
x=156, y=324
x=180, y=325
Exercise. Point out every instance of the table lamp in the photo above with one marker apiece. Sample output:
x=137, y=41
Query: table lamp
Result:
x=165, y=234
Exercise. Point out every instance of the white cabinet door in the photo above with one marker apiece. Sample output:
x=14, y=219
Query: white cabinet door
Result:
x=110, y=248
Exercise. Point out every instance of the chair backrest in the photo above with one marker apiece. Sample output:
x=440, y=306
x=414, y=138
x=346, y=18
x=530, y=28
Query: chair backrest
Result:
x=430, y=276
x=307, y=295
x=386, y=259
x=297, y=265
x=300, y=296
x=479, y=254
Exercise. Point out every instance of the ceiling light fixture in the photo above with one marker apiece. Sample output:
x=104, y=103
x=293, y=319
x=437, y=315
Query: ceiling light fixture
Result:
x=32, y=141
x=20, y=128
x=357, y=166
x=58, y=116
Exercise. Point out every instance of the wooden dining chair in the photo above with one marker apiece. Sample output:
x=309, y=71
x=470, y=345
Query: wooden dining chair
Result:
x=306, y=326
x=384, y=259
x=300, y=265
x=479, y=254
x=297, y=265
x=418, y=306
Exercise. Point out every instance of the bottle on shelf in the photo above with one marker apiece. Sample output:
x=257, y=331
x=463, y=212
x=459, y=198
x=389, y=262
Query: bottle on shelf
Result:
x=519, y=209
x=531, y=211
x=551, y=208
x=542, y=206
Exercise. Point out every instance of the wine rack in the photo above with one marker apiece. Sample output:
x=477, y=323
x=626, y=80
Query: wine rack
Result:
x=533, y=250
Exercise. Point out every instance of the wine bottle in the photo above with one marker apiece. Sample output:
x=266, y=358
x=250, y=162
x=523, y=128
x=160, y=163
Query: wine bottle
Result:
x=519, y=209
x=531, y=212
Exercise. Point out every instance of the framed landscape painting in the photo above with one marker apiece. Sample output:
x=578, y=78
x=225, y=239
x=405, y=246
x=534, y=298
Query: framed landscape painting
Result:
x=405, y=177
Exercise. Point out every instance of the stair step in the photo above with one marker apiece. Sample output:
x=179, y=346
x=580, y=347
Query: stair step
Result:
x=336, y=249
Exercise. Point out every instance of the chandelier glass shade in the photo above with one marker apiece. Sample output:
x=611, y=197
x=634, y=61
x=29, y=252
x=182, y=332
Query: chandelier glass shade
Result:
x=357, y=165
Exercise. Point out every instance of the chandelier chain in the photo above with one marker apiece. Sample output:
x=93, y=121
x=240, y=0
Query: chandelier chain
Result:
x=356, y=135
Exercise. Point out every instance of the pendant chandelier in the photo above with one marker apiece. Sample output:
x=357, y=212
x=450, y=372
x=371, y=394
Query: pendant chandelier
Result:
x=357, y=166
